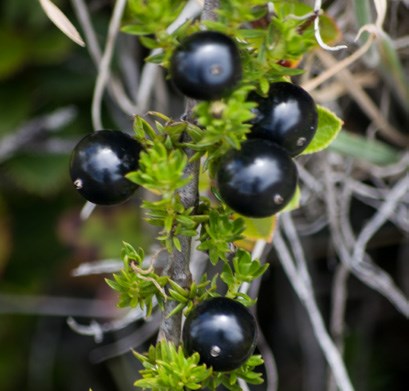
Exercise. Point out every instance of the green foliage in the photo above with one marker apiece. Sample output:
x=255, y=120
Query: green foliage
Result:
x=259, y=228
x=149, y=20
x=136, y=284
x=300, y=17
x=236, y=13
x=245, y=372
x=150, y=17
x=225, y=124
x=218, y=233
x=243, y=269
x=271, y=45
x=167, y=368
x=161, y=170
x=187, y=298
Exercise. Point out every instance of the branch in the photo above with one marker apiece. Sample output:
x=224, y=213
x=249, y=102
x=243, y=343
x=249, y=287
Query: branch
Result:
x=143, y=333
x=55, y=306
x=149, y=74
x=98, y=329
x=382, y=215
x=352, y=252
x=178, y=266
x=301, y=284
x=337, y=322
x=33, y=128
x=115, y=87
x=104, y=66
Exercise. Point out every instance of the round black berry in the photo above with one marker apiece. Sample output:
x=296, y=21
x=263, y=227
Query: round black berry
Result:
x=222, y=331
x=206, y=65
x=287, y=116
x=99, y=163
x=258, y=180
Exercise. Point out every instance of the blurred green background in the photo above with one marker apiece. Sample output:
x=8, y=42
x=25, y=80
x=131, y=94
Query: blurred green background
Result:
x=46, y=86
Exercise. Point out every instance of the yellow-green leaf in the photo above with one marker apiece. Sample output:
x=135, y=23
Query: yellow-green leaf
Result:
x=294, y=202
x=328, y=128
x=259, y=228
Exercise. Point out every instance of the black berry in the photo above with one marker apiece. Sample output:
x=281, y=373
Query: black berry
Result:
x=99, y=163
x=287, y=116
x=206, y=65
x=258, y=180
x=222, y=331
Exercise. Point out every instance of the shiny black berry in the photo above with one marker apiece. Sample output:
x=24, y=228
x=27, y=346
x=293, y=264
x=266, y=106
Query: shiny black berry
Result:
x=206, y=65
x=222, y=331
x=99, y=163
x=287, y=116
x=258, y=180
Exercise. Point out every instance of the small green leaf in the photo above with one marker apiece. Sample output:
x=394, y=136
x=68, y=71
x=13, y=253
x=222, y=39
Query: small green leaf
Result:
x=329, y=125
x=176, y=243
x=264, y=85
x=135, y=30
x=149, y=42
x=259, y=228
x=155, y=58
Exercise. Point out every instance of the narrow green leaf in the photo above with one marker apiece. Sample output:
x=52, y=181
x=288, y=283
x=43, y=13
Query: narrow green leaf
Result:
x=358, y=147
x=177, y=244
x=135, y=30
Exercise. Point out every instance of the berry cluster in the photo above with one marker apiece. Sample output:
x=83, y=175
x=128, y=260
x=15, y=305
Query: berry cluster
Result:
x=260, y=179
x=257, y=180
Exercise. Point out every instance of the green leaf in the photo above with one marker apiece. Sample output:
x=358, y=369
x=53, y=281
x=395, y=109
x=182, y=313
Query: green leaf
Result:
x=167, y=368
x=136, y=285
x=359, y=147
x=135, y=30
x=225, y=122
x=176, y=243
x=329, y=125
x=149, y=42
x=156, y=58
x=217, y=234
x=260, y=228
x=294, y=202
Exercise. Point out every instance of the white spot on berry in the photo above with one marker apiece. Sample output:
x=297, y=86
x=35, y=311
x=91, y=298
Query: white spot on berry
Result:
x=215, y=69
x=278, y=199
x=78, y=184
x=215, y=351
x=301, y=141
